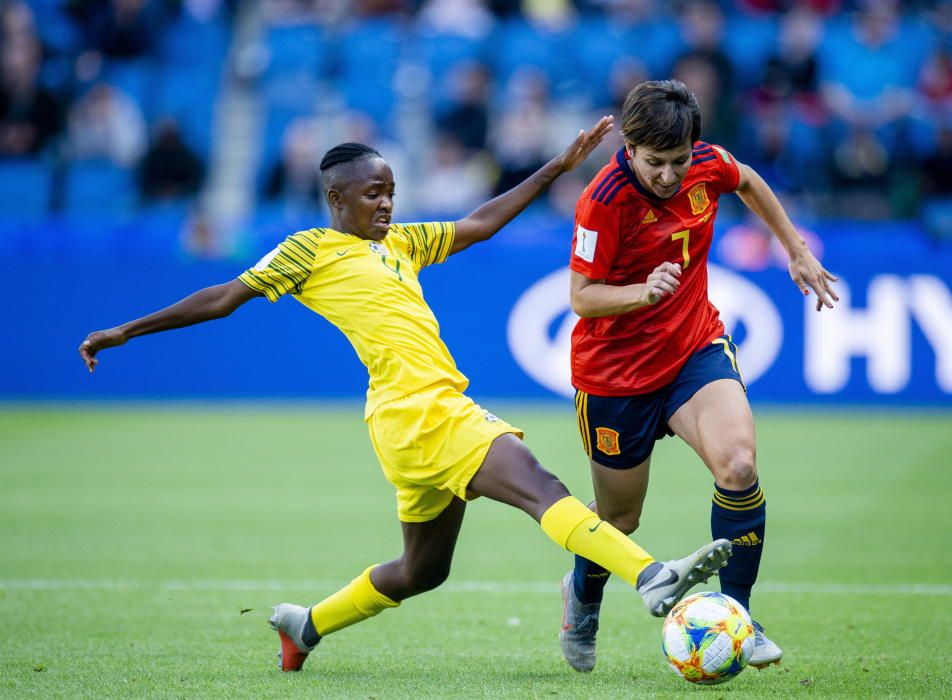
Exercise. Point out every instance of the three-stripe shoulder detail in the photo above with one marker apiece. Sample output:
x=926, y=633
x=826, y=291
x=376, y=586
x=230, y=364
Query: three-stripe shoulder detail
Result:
x=609, y=186
x=702, y=153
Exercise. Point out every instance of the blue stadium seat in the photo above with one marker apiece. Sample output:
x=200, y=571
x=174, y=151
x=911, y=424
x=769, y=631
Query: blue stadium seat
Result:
x=294, y=49
x=275, y=124
x=759, y=43
x=56, y=31
x=518, y=44
x=440, y=54
x=25, y=188
x=299, y=56
x=187, y=42
x=99, y=188
x=598, y=45
x=370, y=53
x=137, y=79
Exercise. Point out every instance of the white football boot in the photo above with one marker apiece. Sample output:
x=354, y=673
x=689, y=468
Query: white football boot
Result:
x=579, y=626
x=765, y=651
x=288, y=621
x=663, y=584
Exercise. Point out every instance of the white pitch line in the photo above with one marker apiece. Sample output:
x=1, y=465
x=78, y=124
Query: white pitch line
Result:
x=37, y=584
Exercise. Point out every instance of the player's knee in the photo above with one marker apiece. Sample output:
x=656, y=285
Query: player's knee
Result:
x=426, y=578
x=739, y=469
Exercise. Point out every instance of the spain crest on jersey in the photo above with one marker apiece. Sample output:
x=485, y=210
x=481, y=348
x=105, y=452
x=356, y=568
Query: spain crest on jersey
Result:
x=699, y=200
x=606, y=440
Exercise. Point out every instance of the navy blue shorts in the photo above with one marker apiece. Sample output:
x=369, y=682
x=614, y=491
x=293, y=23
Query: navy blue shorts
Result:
x=620, y=431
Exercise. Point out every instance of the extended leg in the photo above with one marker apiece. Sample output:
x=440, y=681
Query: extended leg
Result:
x=425, y=563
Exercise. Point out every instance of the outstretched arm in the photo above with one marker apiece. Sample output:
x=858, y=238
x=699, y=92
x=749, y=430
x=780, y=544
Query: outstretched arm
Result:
x=204, y=305
x=805, y=270
x=486, y=221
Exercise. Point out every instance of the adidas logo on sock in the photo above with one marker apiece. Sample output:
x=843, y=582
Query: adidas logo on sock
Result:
x=748, y=540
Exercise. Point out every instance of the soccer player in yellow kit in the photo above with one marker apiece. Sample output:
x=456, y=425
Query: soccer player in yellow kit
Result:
x=436, y=446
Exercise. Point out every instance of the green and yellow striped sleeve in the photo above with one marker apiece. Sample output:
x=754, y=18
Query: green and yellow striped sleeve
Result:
x=286, y=268
x=429, y=243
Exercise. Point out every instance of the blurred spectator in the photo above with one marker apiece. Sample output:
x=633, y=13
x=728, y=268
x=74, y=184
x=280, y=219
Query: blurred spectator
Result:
x=519, y=139
x=937, y=168
x=454, y=181
x=531, y=128
x=120, y=29
x=466, y=18
x=30, y=115
x=379, y=8
x=553, y=15
x=105, y=123
x=791, y=73
x=935, y=81
x=868, y=74
x=17, y=23
x=718, y=114
x=627, y=72
x=296, y=12
x=868, y=71
x=505, y=8
x=170, y=169
x=296, y=177
x=702, y=29
x=467, y=117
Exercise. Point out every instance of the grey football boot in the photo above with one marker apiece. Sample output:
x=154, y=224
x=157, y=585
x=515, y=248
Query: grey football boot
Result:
x=288, y=621
x=765, y=651
x=579, y=626
x=663, y=584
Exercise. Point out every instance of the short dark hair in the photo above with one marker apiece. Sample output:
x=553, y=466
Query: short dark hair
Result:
x=660, y=114
x=343, y=154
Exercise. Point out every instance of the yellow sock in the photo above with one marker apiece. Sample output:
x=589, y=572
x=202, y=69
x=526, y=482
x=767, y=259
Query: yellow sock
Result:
x=357, y=601
x=579, y=530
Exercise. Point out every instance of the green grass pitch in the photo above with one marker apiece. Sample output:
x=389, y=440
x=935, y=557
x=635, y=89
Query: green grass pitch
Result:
x=133, y=537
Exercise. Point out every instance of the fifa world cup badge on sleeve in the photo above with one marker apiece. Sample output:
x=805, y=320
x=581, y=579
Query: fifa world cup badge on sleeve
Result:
x=606, y=440
x=585, y=242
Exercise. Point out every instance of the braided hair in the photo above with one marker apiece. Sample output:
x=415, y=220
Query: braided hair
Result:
x=342, y=155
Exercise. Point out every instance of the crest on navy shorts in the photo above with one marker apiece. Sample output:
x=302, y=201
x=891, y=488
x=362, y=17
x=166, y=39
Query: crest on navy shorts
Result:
x=699, y=200
x=606, y=440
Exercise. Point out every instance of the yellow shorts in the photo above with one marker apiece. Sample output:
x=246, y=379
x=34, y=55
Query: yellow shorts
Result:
x=430, y=445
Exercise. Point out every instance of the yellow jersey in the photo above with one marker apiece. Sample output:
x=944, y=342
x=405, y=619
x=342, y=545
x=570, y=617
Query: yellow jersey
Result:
x=370, y=291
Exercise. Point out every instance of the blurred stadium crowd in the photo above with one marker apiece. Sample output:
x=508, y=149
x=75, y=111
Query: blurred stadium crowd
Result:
x=224, y=107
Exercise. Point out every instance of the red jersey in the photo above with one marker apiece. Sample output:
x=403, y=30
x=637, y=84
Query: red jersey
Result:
x=622, y=233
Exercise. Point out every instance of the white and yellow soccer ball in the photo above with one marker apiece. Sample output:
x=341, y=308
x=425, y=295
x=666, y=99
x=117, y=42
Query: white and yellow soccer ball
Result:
x=708, y=638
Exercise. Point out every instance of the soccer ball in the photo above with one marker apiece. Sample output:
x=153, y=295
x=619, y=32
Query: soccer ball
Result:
x=708, y=638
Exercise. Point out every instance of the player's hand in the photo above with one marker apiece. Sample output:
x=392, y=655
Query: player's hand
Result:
x=662, y=282
x=807, y=273
x=585, y=143
x=99, y=340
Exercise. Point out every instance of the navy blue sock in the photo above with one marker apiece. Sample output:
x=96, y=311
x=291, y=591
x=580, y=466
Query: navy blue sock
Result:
x=590, y=580
x=309, y=635
x=740, y=516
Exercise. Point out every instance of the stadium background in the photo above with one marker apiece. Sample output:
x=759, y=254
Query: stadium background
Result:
x=150, y=147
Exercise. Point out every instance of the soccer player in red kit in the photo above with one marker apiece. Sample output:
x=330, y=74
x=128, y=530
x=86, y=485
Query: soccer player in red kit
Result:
x=649, y=355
